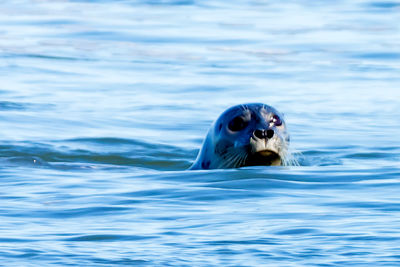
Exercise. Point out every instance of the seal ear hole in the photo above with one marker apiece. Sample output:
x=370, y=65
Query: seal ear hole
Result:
x=237, y=124
x=220, y=127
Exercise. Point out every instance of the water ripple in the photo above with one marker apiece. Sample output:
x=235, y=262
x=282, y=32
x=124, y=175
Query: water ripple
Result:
x=104, y=106
x=105, y=151
x=108, y=238
x=6, y=105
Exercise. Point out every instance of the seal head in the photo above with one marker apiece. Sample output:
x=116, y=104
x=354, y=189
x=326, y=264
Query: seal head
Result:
x=245, y=135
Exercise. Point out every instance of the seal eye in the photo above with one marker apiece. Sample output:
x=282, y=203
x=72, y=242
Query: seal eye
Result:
x=237, y=124
x=276, y=120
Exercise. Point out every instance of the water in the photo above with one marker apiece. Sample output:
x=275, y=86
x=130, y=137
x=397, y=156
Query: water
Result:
x=104, y=105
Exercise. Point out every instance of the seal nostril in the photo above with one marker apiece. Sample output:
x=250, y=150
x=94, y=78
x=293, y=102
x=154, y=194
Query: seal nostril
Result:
x=259, y=133
x=269, y=133
x=264, y=133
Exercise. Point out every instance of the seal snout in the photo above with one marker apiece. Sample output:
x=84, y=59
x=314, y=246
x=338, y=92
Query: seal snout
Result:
x=261, y=134
x=264, y=143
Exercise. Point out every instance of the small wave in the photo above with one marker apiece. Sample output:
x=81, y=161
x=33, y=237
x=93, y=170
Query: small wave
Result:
x=384, y=5
x=7, y=105
x=371, y=155
x=334, y=156
x=316, y=157
x=379, y=56
x=108, y=238
x=21, y=106
x=169, y=2
x=82, y=152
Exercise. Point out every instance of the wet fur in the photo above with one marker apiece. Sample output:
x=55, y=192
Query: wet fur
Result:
x=221, y=149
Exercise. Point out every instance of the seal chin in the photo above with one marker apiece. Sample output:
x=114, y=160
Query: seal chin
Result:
x=264, y=157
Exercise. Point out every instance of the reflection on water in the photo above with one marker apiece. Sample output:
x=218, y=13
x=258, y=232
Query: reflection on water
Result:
x=104, y=105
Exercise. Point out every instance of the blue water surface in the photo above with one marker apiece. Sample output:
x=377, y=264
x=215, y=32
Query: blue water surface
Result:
x=104, y=106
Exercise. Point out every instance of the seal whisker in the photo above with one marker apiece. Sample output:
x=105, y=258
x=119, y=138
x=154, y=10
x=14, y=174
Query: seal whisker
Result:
x=232, y=159
x=229, y=163
x=235, y=158
x=239, y=158
x=239, y=162
x=244, y=158
x=290, y=160
x=225, y=159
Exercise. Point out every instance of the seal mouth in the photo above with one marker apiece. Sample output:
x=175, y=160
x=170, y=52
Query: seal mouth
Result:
x=267, y=153
x=263, y=158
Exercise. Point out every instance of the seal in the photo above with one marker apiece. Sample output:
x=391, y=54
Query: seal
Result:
x=245, y=135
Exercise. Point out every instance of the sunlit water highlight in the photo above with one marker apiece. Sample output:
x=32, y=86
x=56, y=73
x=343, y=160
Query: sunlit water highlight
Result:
x=104, y=105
